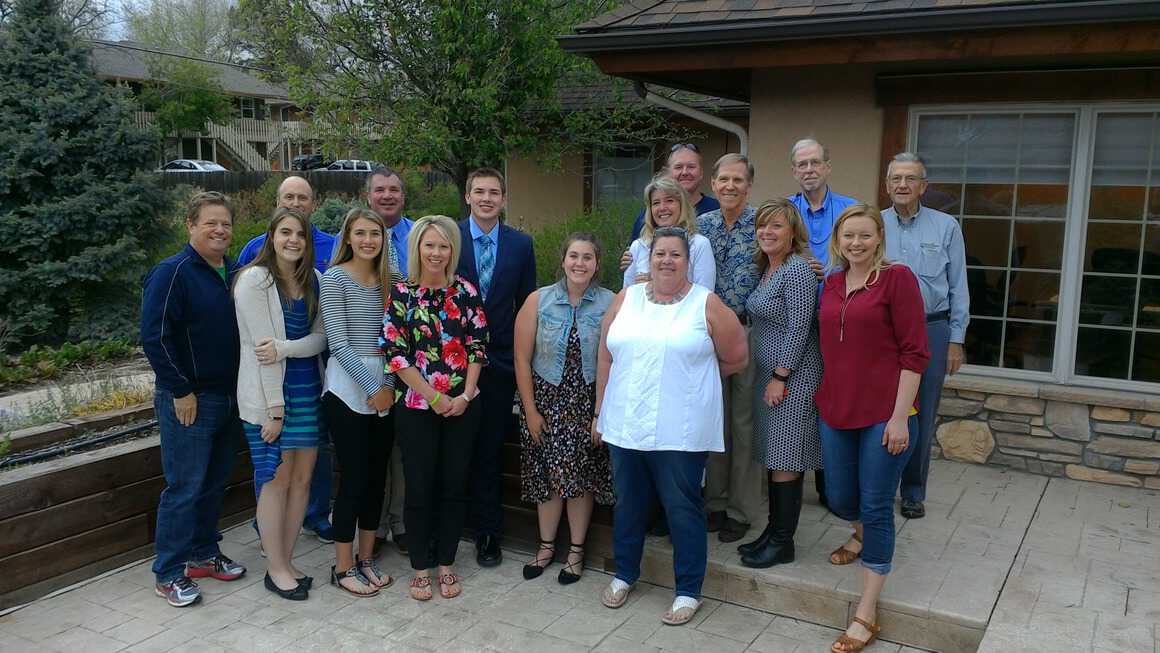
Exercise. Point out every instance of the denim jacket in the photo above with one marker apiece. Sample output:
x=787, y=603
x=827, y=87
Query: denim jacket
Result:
x=555, y=315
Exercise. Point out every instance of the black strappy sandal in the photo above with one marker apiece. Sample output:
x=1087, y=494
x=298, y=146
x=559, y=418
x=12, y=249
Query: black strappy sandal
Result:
x=533, y=570
x=336, y=578
x=567, y=577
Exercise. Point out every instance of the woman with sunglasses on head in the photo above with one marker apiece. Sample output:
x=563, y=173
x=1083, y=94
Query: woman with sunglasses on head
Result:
x=666, y=204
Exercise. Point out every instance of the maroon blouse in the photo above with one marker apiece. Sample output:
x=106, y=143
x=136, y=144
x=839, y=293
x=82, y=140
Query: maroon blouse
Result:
x=867, y=339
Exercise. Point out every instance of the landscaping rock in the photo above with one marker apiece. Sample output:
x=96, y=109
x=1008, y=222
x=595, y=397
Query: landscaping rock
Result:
x=1150, y=419
x=1060, y=458
x=1022, y=405
x=966, y=441
x=1081, y=473
x=1101, y=461
x=1014, y=462
x=1009, y=427
x=1040, y=444
x=1107, y=414
x=1145, y=467
x=1069, y=421
x=1126, y=448
x=1129, y=430
x=958, y=407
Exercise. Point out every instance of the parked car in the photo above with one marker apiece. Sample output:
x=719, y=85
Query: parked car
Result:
x=191, y=165
x=353, y=165
x=308, y=162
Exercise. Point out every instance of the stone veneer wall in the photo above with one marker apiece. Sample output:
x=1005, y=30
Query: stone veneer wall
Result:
x=1080, y=433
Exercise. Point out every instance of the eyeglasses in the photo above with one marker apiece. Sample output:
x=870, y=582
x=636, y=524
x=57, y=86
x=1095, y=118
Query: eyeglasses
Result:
x=909, y=179
x=677, y=147
x=679, y=232
x=802, y=166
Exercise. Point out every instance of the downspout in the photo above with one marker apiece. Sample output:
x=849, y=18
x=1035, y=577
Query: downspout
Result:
x=695, y=114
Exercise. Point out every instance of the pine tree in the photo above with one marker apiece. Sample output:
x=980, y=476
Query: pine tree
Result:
x=79, y=215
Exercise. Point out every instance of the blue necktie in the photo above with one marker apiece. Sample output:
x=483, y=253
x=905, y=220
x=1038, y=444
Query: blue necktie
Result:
x=486, y=264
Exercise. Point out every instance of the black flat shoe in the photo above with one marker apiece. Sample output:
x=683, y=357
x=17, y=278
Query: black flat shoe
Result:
x=533, y=570
x=306, y=582
x=732, y=530
x=299, y=592
x=567, y=574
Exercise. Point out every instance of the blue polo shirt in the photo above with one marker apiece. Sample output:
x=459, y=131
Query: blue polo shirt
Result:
x=820, y=223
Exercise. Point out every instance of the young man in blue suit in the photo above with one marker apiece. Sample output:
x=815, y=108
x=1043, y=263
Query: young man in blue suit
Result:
x=499, y=260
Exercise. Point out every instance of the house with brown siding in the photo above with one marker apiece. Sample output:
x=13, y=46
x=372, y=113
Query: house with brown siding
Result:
x=1039, y=121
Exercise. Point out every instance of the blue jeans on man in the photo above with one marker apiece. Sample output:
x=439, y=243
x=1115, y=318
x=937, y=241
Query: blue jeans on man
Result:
x=197, y=461
x=640, y=479
x=914, y=475
x=861, y=479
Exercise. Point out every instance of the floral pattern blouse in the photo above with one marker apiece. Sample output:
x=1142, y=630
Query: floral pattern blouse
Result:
x=439, y=331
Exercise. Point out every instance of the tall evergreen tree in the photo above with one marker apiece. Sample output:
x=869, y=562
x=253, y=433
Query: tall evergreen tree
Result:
x=79, y=216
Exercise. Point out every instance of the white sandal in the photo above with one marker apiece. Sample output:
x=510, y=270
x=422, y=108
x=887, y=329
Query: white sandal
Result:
x=683, y=610
x=615, y=594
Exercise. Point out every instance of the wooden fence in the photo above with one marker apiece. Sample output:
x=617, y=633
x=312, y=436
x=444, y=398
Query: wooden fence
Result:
x=348, y=182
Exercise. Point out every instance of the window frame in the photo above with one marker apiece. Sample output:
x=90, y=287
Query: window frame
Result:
x=648, y=154
x=1075, y=231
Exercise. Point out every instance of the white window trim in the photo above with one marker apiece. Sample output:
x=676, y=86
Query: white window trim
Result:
x=1075, y=235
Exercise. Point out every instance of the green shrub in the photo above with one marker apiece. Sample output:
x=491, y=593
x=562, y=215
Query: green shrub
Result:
x=329, y=215
x=612, y=226
x=42, y=363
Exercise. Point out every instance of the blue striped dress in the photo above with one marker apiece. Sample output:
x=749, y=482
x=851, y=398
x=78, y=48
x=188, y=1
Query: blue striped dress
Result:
x=302, y=391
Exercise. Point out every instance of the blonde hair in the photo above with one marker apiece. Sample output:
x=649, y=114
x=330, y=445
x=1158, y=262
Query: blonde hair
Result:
x=446, y=228
x=669, y=186
x=879, y=261
x=386, y=266
x=787, y=210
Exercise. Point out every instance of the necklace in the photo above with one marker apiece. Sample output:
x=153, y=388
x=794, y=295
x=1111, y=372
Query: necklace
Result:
x=648, y=294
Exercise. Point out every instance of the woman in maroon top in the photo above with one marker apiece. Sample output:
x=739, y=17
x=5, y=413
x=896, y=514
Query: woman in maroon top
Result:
x=873, y=339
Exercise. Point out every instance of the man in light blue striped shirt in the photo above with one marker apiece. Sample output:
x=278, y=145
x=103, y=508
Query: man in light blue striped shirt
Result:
x=930, y=242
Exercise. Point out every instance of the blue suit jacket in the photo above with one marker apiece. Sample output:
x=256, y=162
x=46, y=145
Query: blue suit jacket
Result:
x=512, y=281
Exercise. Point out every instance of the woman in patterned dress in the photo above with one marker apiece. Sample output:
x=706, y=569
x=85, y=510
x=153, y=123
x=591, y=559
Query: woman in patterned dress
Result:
x=556, y=341
x=279, y=385
x=782, y=310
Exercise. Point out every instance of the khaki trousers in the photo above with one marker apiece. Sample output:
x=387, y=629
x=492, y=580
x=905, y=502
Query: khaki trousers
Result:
x=734, y=482
x=392, y=519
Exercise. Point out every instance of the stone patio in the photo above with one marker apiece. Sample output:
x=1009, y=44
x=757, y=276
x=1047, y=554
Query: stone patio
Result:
x=1020, y=562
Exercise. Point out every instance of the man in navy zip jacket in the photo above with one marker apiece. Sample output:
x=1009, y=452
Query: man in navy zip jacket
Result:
x=189, y=333
x=500, y=262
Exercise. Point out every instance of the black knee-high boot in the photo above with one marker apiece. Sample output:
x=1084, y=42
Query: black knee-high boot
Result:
x=749, y=547
x=785, y=501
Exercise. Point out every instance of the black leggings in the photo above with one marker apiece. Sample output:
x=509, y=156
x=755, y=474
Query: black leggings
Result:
x=362, y=444
x=437, y=453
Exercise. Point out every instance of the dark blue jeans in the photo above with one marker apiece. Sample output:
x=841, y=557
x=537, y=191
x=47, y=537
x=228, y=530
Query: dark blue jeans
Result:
x=197, y=461
x=938, y=336
x=641, y=478
x=861, y=479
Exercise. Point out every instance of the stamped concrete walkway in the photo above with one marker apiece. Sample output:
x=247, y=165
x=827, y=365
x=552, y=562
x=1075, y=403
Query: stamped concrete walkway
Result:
x=1048, y=565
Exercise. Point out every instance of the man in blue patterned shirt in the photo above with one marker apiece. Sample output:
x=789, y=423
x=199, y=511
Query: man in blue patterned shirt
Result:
x=734, y=486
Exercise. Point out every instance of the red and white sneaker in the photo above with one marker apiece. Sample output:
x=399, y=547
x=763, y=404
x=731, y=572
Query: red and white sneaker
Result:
x=219, y=567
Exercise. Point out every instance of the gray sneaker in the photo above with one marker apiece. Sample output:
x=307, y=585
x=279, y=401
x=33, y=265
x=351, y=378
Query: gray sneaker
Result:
x=180, y=592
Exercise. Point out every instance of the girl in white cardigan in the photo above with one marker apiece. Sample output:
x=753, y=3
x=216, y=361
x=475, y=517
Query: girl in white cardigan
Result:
x=280, y=388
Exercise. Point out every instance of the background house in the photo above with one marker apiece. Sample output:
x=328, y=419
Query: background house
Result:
x=266, y=132
x=1040, y=122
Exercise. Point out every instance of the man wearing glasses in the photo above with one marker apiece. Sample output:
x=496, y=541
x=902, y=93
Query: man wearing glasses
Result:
x=930, y=242
x=819, y=207
x=684, y=166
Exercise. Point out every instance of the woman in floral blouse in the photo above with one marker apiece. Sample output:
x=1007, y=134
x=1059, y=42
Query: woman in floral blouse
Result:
x=434, y=338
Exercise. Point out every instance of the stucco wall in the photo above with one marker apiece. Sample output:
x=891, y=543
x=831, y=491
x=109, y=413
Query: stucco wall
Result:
x=834, y=105
x=537, y=195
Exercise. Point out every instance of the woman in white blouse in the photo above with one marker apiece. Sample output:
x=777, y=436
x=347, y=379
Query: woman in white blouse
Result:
x=666, y=204
x=659, y=434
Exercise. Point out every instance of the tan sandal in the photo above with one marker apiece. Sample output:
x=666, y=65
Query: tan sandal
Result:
x=616, y=599
x=681, y=615
x=847, y=644
x=449, y=586
x=844, y=556
x=421, y=588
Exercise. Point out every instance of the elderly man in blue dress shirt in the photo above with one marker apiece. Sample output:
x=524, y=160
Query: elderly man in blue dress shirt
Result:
x=931, y=243
x=819, y=206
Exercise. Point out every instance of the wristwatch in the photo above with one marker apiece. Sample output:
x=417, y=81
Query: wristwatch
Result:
x=784, y=378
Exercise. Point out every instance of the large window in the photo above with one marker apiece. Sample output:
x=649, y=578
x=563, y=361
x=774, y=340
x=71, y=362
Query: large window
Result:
x=1060, y=211
x=620, y=175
